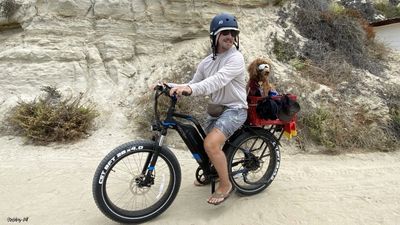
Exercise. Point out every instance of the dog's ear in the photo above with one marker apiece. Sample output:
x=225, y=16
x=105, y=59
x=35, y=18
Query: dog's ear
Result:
x=252, y=69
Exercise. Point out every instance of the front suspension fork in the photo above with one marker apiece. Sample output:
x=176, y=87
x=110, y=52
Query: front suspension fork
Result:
x=149, y=166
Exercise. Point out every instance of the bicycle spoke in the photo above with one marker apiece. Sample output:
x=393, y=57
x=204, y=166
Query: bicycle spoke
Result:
x=130, y=165
x=249, y=164
x=123, y=195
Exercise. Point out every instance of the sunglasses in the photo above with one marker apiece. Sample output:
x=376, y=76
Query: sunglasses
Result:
x=234, y=33
x=262, y=67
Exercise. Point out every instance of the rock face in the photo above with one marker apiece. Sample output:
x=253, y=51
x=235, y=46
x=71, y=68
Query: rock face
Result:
x=106, y=47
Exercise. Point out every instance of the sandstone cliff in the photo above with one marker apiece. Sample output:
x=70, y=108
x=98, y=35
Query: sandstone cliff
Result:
x=112, y=49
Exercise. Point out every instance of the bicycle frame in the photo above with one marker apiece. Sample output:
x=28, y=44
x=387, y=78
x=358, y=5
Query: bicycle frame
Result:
x=193, y=137
x=189, y=135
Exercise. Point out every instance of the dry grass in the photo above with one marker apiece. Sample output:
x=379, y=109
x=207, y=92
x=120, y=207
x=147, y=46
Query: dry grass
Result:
x=338, y=129
x=342, y=32
x=50, y=118
x=339, y=42
x=338, y=39
x=331, y=72
x=392, y=98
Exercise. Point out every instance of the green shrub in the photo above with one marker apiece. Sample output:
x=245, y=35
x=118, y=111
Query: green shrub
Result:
x=314, y=122
x=393, y=101
x=342, y=32
x=283, y=50
x=395, y=117
x=50, y=118
x=337, y=8
x=365, y=8
x=298, y=64
x=338, y=129
x=388, y=10
x=279, y=2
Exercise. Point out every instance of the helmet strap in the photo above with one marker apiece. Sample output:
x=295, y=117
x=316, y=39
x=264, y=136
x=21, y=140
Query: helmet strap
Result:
x=214, y=46
x=237, y=43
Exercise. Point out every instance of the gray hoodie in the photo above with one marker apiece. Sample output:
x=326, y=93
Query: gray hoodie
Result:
x=223, y=78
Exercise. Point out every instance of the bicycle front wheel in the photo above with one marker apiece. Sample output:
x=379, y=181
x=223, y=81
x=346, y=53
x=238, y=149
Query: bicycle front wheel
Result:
x=119, y=186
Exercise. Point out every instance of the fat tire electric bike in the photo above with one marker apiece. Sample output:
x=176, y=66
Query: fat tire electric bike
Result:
x=139, y=180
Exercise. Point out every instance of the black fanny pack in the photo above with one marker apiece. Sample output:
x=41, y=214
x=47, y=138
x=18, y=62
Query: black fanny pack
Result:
x=215, y=110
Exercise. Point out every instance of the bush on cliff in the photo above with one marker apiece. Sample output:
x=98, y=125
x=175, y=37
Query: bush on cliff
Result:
x=50, y=118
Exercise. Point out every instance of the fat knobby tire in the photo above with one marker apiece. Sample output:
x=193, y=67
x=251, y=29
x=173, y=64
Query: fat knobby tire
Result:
x=106, y=165
x=273, y=165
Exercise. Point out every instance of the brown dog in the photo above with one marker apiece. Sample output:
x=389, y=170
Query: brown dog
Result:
x=258, y=84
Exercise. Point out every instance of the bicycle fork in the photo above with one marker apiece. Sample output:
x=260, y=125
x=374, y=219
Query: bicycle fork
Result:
x=150, y=163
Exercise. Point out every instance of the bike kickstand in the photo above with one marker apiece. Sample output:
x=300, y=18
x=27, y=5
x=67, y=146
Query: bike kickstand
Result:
x=212, y=185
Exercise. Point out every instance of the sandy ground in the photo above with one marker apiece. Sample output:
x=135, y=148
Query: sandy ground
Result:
x=389, y=34
x=52, y=185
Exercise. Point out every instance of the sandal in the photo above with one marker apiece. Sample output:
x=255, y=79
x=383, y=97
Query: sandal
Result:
x=221, y=196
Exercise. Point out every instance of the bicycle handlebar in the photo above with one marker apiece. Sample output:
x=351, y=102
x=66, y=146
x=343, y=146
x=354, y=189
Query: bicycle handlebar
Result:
x=163, y=89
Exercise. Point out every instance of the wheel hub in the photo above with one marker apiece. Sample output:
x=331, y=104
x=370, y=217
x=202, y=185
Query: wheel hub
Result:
x=252, y=163
x=136, y=185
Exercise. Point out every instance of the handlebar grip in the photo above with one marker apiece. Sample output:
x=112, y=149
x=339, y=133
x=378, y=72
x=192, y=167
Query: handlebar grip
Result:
x=158, y=88
x=162, y=87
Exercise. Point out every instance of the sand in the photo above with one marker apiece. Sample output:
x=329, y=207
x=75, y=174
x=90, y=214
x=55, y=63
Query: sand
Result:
x=52, y=185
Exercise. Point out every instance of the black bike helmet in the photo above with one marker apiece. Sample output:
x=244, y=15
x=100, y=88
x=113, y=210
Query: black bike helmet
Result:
x=223, y=21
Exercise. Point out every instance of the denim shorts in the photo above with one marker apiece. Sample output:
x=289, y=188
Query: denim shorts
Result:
x=228, y=122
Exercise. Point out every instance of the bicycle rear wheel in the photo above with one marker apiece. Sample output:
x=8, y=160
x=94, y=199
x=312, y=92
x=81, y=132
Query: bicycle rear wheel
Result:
x=253, y=161
x=118, y=184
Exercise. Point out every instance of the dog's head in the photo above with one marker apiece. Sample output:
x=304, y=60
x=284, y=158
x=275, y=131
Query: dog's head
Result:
x=259, y=70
